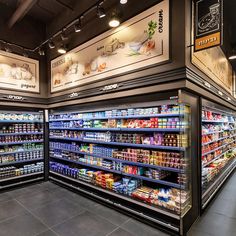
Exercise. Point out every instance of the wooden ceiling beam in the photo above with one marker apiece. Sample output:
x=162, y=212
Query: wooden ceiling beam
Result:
x=21, y=11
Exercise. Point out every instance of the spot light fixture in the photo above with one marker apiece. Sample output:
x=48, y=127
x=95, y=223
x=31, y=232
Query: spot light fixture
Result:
x=123, y=1
x=41, y=52
x=63, y=35
x=51, y=44
x=100, y=12
x=114, y=21
x=62, y=49
x=78, y=26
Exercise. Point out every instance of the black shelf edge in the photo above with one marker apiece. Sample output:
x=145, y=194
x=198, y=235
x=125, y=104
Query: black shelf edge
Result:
x=21, y=176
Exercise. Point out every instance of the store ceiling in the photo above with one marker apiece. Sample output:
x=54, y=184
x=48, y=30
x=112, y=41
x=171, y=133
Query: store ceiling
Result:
x=54, y=14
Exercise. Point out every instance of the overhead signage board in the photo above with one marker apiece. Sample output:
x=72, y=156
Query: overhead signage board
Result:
x=140, y=42
x=208, y=24
x=18, y=73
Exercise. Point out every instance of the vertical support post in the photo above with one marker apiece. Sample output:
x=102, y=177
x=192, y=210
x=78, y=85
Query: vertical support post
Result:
x=46, y=145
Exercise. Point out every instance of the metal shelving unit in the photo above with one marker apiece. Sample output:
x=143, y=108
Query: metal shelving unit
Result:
x=21, y=148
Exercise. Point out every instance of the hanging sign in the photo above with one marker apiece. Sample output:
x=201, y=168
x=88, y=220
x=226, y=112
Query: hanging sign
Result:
x=208, y=19
x=140, y=42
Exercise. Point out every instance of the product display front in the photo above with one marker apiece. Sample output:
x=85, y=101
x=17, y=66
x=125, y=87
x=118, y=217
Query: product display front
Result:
x=218, y=149
x=138, y=153
x=21, y=147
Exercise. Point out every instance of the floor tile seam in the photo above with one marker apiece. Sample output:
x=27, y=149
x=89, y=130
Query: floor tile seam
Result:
x=34, y=215
x=53, y=226
x=105, y=218
x=12, y=217
x=44, y=204
x=119, y=227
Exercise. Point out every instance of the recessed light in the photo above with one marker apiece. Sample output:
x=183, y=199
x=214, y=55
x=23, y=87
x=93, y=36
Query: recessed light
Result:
x=114, y=22
x=123, y=1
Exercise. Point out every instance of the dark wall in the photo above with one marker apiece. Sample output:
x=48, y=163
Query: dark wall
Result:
x=27, y=33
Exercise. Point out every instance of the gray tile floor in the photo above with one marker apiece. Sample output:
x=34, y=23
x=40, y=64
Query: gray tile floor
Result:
x=46, y=209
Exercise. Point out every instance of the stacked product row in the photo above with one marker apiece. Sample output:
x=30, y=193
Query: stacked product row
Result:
x=140, y=162
x=123, y=113
x=218, y=146
x=12, y=171
x=159, y=139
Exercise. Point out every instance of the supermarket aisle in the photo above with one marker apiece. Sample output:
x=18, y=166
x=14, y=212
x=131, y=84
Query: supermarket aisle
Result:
x=48, y=210
x=220, y=217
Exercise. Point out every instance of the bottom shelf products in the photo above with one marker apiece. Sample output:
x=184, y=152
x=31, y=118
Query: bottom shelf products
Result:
x=12, y=171
x=169, y=198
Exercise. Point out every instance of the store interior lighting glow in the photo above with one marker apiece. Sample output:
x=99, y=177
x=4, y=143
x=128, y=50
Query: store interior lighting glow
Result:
x=114, y=22
x=62, y=49
x=232, y=57
x=123, y=1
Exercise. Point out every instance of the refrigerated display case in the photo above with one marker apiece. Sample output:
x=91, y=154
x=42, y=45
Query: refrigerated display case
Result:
x=138, y=154
x=21, y=148
x=218, y=148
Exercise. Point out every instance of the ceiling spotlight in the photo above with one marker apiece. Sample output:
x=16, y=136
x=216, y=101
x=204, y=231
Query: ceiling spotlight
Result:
x=114, y=22
x=77, y=26
x=62, y=49
x=229, y=99
x=51, y=44
x=41, y=52
x=63, y=35
x=123, y=1
x=100, y=12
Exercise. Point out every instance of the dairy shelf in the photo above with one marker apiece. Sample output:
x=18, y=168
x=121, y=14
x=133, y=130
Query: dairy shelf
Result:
x=21, y=121
x=119, y=117
x=28, y=133
x=20, y=162
x=21, y=142
x=214, y=159
x=174, y=185
x=123, y=129
x=124, y=161
x=121, y=144
x=21, y=176
x=206, y=153
x=21, y=151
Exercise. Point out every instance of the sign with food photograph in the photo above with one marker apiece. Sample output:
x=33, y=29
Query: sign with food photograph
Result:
x=207, y=24
x=140, y=42
x=213, y=63
x=18, y=73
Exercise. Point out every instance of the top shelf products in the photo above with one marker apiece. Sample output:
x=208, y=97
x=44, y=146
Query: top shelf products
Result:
x=158, y=111
x=20, y=117
x=210, y=116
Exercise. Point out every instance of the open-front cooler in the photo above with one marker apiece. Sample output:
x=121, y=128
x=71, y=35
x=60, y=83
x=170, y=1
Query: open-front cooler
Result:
x=218, y=147
x=21, y=148
x=134, y=156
